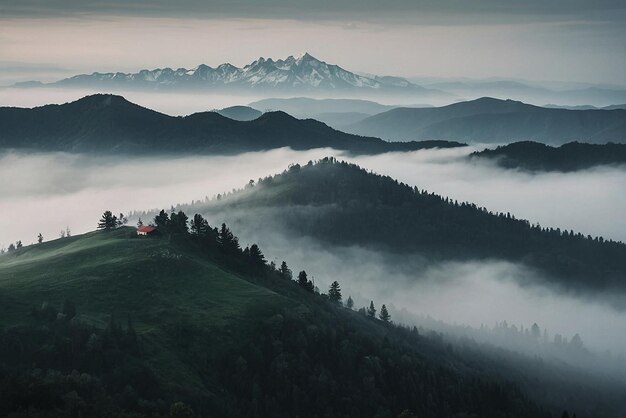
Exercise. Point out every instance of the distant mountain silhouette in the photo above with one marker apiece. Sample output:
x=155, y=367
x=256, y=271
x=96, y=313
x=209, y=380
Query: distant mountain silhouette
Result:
x=337, y=113
x=615, y=107
x=109, y=124
x=570, y=94
x=242, y=113
x=303, y=73
x=572, y=156
x=497, y=121
x=308, y=107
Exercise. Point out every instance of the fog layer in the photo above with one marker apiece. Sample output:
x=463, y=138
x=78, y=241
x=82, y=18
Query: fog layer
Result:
x=47, y=192
x=467, y=293
x=590, y=201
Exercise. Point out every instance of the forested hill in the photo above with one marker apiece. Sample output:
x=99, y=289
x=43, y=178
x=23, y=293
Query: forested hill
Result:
x=573, y=156
x=344, y=204
x=189, y=324
x=111, y=124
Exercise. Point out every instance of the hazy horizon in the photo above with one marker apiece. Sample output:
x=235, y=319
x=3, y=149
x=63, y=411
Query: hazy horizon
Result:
x=558, y=40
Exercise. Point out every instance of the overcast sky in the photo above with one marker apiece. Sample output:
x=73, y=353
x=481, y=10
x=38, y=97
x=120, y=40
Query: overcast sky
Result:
x=562, y=40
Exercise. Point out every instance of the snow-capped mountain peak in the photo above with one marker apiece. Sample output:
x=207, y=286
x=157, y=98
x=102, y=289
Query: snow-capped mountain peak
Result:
x=303, y=72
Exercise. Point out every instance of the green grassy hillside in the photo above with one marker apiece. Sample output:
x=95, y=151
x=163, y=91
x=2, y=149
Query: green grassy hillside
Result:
x=161, y=285
x=166, y=319
x=105, y=272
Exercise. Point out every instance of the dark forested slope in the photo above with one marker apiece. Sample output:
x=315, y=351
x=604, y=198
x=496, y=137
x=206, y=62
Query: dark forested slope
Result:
x=573, y=156
x=111, y=124
x=344, y=204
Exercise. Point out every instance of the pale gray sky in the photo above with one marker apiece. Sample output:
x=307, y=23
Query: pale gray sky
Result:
x=566, y=40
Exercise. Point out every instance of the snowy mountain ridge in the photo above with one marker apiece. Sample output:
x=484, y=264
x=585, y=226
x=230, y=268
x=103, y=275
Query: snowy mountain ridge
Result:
x=304, y=72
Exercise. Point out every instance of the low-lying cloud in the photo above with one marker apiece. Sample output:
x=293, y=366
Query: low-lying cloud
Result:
x=590, y=201
x=470, y=293
x=45, y=192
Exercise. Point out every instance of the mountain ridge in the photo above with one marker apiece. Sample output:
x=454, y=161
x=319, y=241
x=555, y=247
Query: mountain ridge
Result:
x=343, y=204
x=304, y=73
x=495, y=121
x=572, y=156
x=112, y=124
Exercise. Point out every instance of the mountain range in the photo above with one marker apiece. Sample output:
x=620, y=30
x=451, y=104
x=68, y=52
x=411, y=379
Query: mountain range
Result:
x=302, y=73
x=333, y=112
x=495, y=121
x=111, y=124
x=308, y=75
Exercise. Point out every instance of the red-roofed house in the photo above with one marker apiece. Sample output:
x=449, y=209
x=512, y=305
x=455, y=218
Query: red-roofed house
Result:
x=145, y=230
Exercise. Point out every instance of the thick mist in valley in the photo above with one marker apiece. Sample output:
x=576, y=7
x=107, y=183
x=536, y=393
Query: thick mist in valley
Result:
x=49, y=192
x=411, y=208
x=471, y=293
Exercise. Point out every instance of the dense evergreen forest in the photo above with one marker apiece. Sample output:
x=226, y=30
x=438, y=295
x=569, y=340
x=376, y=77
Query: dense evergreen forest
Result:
x=344, y=204
x=298, y=353
x=573, y=156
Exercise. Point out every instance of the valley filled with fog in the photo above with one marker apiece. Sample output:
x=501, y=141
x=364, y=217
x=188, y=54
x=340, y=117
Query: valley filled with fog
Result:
x=49, y=192
x=313, y=209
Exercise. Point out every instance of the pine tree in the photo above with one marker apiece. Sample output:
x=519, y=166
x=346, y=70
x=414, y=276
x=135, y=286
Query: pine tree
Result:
x=227, y=241
x=284, y=271
x=108, y=221
x=334, y=292
x=535, y=331
x=199, y=225
x=122, y=220
x=178, y=223
x=40, y=238
x=139, y=223
x=349, y=303
x=256, y=257
x=18, y=244
x=302, y=278
x=304, y=282
x=384, y=314
x=161, y=221
x=371, y=311
x=576, y=342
